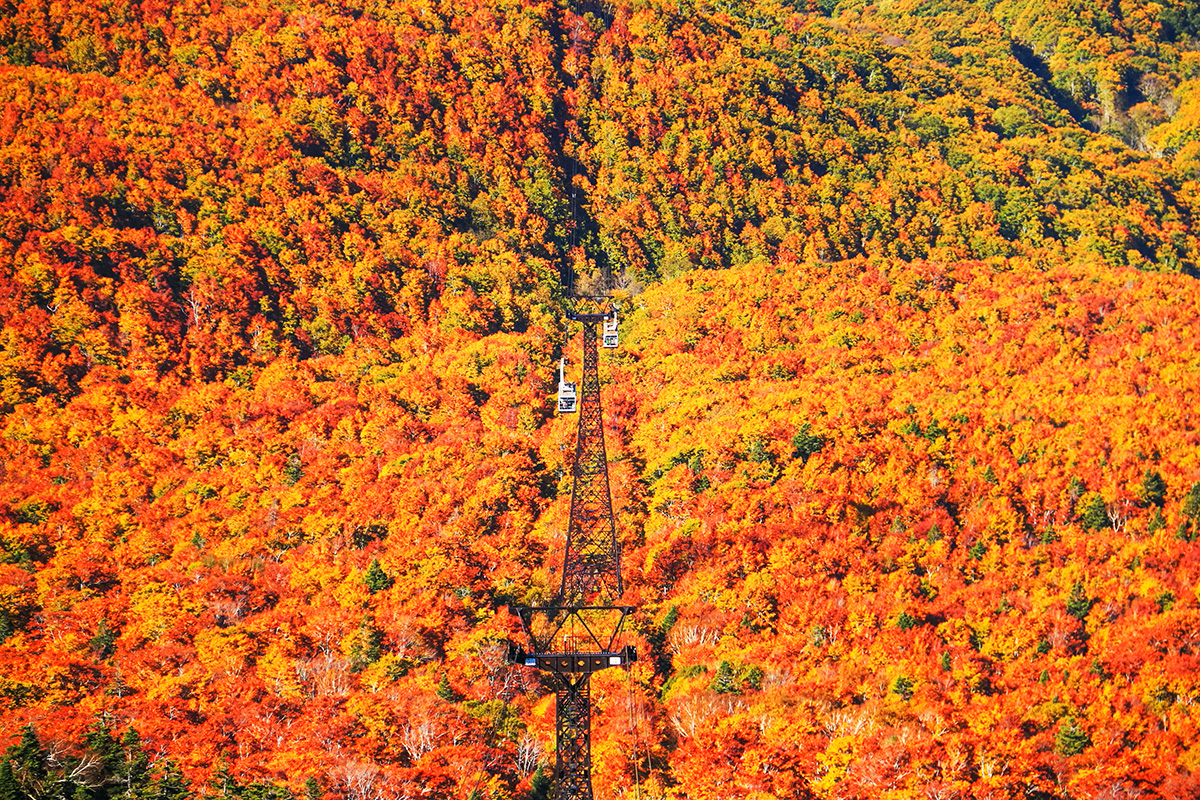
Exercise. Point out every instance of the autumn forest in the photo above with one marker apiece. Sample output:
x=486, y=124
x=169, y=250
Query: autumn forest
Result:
x=902, y=435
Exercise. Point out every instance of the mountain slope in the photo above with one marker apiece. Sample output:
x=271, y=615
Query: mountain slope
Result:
x=901, y=437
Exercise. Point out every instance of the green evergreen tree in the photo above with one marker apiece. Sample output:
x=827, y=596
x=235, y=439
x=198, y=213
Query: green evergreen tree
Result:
x=935, y=430
x=1095, y=515
x=9, y=788
x=28, y=763
x=1154, y=488
x=100, y=742
x=222, y=783
x=446, y=691
x=700, y=482
x=376, y=579
x=1071, y=739
x=167, y=783
x=265, y=790
x=367, y=647
x=1075, y=488
x=805, y=443
x=1078, y=603
x=1157, y=522
x=293, y=470
x=539, y=786
x=723, y=682
x=102, y=643
x=312, y=789
x=134, y=773
x=758, y=452
x=668, y=621
x=1191, y=503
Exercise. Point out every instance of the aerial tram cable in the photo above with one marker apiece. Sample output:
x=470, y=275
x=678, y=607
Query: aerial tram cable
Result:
x=580, y=632
x=610, y=334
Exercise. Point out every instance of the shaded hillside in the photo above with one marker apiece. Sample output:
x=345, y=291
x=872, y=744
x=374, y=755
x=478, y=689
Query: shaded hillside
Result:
x=901, y=436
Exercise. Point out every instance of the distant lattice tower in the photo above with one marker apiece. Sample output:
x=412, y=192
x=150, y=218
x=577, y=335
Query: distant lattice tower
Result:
x=578, y=635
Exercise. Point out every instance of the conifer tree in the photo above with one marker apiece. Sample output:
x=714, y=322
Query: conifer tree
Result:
x=446, y=691
x=1095, y=515
x=9, y=789
x=376, y=579
x=222, y=783
x=100, y=741
x=1154, y=488
x=1078, y=604
x=134, y=771
x=1071, y=739
x=724, y=682
x=539, y=785
x=168, y=782
x=27, y=761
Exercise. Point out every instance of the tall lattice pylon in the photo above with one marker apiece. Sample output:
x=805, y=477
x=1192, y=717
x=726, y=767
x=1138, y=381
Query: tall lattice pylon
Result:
x=592, y=567
x=579, y=634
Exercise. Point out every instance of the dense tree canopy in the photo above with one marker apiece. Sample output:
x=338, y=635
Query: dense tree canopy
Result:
x=901, y=434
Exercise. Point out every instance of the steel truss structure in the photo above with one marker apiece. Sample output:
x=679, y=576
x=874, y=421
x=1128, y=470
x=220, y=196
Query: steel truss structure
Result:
x=580, y=633
x=573, y=734
x=592, y=566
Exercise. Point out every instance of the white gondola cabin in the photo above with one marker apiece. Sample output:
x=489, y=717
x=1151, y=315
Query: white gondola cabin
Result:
x=567, y=398
x=610, y=337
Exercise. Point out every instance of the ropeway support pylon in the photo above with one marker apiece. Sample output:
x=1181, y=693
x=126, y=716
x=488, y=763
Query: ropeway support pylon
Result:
x=580, y=633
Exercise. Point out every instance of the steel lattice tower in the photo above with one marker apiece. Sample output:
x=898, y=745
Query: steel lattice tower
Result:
x=593, y=562
x=579, y=633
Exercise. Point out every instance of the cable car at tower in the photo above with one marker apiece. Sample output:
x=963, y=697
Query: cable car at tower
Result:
x=610, y=338
x=568, y=398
